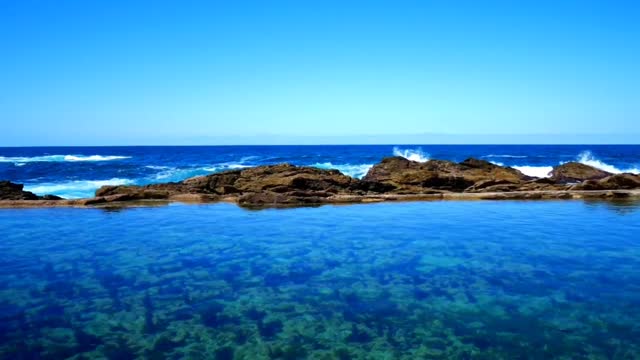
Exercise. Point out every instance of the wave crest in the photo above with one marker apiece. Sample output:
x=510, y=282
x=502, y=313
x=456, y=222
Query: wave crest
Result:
x=411, y=154
x=60, y=158
x=587, y=158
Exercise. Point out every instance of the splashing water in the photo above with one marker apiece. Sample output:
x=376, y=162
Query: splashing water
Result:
x=587, y=158
x=411, y=154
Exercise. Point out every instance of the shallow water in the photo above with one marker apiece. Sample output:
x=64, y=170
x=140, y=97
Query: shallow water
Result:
x=462, y=280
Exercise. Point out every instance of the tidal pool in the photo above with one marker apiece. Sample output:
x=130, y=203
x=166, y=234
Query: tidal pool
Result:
x=420, y=280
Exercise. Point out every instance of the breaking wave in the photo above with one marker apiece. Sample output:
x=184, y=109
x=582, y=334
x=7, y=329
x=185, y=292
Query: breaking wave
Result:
x=411, y=154
x=74, y=189
x=355, y=171
x=60, y=158
x=587, y=158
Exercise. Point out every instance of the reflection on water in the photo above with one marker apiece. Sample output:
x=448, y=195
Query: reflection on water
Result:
x=481, y=280
x=620, y=206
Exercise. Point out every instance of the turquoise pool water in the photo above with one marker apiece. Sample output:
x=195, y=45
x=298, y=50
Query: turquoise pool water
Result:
x=432, y=280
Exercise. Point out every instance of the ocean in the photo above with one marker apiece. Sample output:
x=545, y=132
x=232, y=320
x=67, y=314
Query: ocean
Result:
x=75, y=172
x=553, y=279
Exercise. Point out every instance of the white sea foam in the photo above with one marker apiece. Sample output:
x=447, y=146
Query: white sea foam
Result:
x=355, y=171
x=74, y=189
x=94, y=158
x=60, y=158
x=411, y=154
x=535, y=171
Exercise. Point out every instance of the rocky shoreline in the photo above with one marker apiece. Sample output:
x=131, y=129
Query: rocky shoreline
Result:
x=393, y=179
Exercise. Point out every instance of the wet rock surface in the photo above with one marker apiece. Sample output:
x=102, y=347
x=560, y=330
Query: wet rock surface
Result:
x=394, y=178
x=12, y=191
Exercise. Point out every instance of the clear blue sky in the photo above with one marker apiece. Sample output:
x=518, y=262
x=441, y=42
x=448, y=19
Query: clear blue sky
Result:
x=182, y=72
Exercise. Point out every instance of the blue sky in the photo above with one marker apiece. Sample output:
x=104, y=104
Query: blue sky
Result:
x=153, y=72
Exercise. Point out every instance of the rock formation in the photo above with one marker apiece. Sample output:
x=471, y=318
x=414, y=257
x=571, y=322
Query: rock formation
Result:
x=394, y=178
x=573, y=172
x=12, y=191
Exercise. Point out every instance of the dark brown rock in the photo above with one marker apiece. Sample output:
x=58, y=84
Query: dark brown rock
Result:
x=12, y=191
x=573, y=172
x=613, y=182
x=470, y=174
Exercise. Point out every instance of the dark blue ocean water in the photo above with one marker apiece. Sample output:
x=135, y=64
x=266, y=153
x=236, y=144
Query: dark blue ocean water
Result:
x=420, y=280
x=78, y=171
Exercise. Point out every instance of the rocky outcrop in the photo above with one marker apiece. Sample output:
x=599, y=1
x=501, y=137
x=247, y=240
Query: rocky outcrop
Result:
x=573, y=172
x=281, y=184
x=12, y=191
x=438, y=175
x=392, y=179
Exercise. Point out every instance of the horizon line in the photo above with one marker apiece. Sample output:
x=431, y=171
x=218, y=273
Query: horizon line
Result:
x=376, y=144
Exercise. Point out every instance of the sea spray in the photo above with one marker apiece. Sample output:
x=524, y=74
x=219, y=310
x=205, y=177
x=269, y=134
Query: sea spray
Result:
x=411, y=154
x=587, y=158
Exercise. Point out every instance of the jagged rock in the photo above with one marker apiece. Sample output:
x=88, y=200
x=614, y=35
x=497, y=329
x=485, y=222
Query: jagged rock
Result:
x=572, y=172
x=280, y=184
x=12, y=191
x=470, y=174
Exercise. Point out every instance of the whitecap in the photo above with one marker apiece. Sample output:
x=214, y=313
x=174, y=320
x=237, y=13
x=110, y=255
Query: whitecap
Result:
x=355, y=171
x=60, y=158
x=411, y=154
x=94, y=158
x=74, y=189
